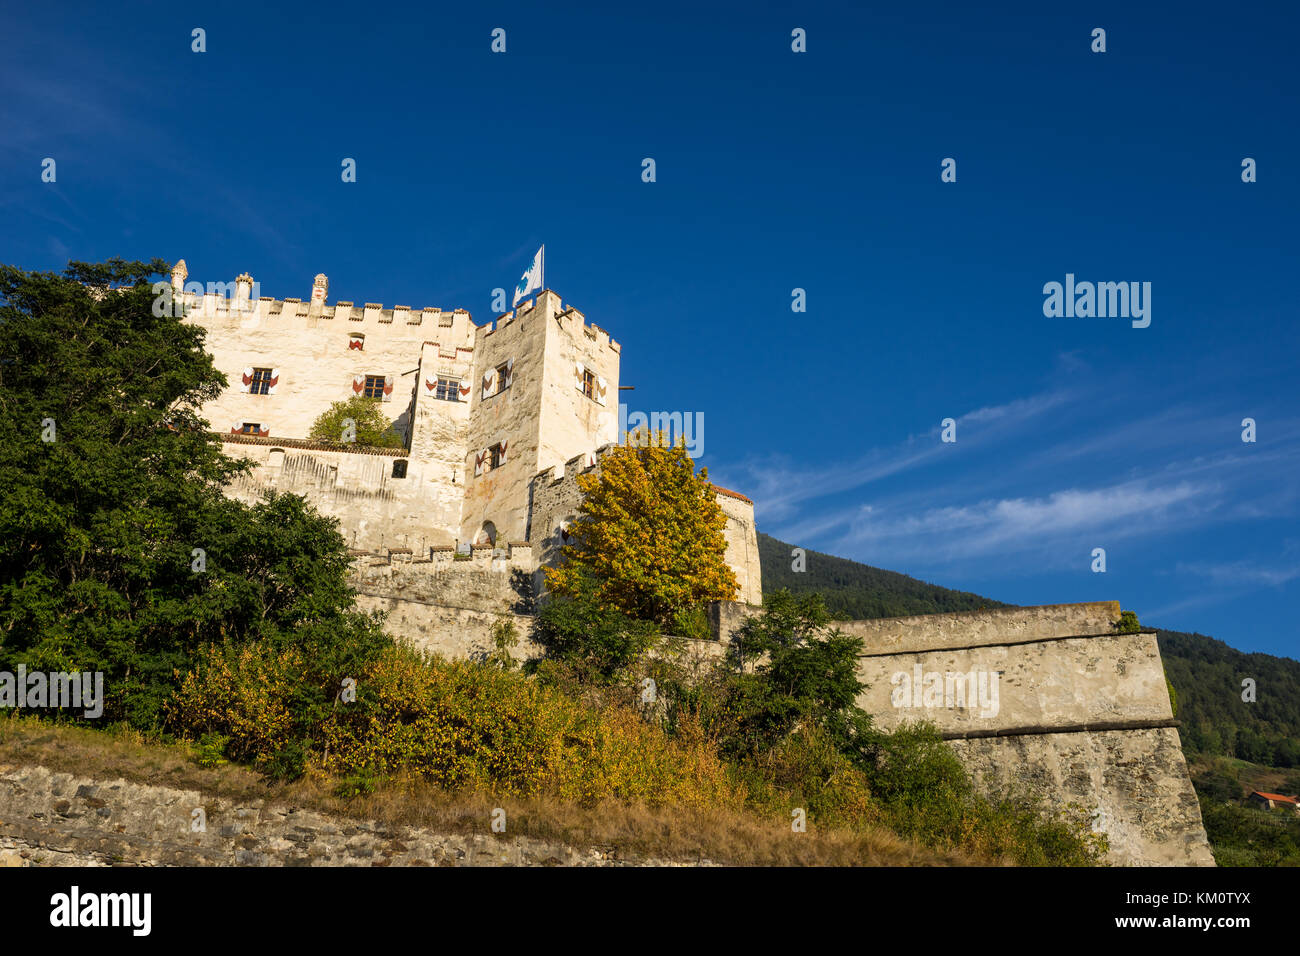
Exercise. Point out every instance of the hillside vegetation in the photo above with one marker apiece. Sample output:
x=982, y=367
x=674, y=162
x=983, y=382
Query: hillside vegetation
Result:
x=1208, y=675
x=856, y=591
x=1241, y=833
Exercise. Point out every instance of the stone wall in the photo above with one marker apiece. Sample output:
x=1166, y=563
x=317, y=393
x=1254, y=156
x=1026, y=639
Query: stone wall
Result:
x=58, y=819
x=1135, y=780
x=742, y=545
x=376, y=508
x=1050, y=698
x=498, y=497
x=447, y=606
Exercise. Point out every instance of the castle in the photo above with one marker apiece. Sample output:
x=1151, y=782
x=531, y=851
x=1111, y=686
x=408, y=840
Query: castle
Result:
x=498, y=419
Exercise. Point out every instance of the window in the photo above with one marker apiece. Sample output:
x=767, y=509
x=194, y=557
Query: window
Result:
x=503, y=375
x=251, y=428
x=490, y=458
x=448, y=390
x=589, y=383
x=374, y=387
x=399, y=468
x=261, y=383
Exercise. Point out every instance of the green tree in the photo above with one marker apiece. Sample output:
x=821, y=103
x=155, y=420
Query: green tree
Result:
x=372, y=428
x=648, y=537
x=597, y=642
x=786, y=668
x=118, y=550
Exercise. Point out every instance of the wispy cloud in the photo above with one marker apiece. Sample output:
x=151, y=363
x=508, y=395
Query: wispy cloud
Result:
x=1238, y=573
x=1034, y=483
x=781, y=486
x=1040, y=525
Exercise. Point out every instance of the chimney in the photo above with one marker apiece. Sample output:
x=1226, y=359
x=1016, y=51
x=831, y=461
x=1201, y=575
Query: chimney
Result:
x=180, y=272
x=319, y=290
x=243, y=289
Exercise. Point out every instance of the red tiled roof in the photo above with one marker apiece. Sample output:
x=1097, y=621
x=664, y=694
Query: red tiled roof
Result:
x=1274, y=796
x=731, y=494
x=242, y=439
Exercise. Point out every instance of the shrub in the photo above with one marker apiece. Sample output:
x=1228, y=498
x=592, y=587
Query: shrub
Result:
x=459, y=724
x=927, y=795
x=505, y=638
x=597, y=640
x=372, y=427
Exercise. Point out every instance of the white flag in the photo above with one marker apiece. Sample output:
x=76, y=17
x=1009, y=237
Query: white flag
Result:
x=532, y=278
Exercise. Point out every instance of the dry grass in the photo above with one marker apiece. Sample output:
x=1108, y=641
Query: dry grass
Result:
x=678, y=833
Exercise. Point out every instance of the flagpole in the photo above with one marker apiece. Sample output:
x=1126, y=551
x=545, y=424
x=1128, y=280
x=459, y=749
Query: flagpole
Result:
x=543, y=265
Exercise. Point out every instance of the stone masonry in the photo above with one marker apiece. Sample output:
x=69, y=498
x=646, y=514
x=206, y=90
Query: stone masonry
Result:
x=58, y=819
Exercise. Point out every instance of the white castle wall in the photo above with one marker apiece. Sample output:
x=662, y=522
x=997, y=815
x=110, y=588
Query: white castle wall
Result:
x=319, y=353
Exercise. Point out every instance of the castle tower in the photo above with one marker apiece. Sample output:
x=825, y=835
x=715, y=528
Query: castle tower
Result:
x=545, y=390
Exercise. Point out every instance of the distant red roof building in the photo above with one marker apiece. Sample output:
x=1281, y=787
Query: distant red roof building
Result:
x=1271, y=800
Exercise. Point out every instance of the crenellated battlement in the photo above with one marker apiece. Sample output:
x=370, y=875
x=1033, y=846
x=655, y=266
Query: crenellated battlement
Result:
x=234, y=302
x=577, y=465
x=515, y=555
x=549, y=303
x=216, y=306
x=576, y=324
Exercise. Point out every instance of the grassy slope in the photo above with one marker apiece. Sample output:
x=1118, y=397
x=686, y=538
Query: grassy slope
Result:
x=671, y=832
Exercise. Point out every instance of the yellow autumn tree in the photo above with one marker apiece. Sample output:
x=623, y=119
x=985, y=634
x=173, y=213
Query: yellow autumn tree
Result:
x=648, y=536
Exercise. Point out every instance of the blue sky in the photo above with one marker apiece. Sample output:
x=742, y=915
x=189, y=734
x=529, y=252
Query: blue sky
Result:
x=775, y=170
